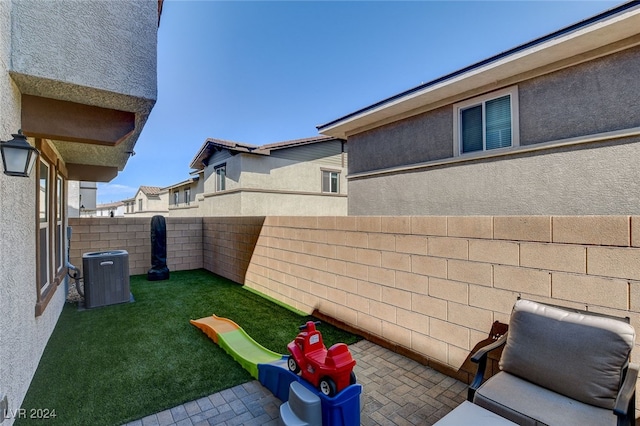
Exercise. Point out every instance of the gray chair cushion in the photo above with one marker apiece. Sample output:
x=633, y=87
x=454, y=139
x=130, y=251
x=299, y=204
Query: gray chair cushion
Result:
x=577, y=355
x=530, y=405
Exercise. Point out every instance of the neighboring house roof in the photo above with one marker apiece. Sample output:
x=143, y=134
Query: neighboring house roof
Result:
x=110, y=205
x=183, y=183
x=211, y=145
x=544, y=54
x=150, y=191
x=295, y=142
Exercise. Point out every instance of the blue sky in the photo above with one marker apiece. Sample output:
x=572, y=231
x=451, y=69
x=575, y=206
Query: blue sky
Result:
x=263, y=72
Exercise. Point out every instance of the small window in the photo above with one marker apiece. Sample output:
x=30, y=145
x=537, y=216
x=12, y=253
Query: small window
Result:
x=140, y=205
x=44, y=215
x=221, y=173
x=187, y=196
x=176, y=198
x=59, y=223
x=486, y=122
x=330, y=181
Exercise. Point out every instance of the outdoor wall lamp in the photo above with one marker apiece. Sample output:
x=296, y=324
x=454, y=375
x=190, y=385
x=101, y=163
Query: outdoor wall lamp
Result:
x=18, y=156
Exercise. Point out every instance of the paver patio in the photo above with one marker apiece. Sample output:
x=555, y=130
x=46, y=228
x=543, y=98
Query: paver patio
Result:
x=396, y=391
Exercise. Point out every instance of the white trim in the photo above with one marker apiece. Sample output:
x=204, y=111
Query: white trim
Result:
x=494, y=153
x=512, y=91
x=221, y=184
x=337, y=173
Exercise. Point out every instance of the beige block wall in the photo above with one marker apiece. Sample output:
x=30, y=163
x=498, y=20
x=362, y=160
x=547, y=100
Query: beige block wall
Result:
x=428, y=287
x=229, y=244
x=432, y=286
x=184, y=241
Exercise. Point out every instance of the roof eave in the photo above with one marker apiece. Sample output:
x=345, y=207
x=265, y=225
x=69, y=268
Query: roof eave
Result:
x=606, y=29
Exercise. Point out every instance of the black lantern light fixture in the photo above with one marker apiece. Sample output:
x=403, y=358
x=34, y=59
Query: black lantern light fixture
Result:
x=18, y=156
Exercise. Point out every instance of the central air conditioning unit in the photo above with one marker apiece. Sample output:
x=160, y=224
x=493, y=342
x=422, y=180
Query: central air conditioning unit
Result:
x=106, y=278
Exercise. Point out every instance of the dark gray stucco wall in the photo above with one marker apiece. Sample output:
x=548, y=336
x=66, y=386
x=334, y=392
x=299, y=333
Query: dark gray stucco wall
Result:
x=596, y=179
x=424, y=137
x=597, y=96
x=594, y=97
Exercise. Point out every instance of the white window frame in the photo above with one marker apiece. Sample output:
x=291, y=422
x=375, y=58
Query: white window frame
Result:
x=140, y=204
x=221, y=185
x=187, y=196
x=330, y=172
x=481, y=100
x=176, y=198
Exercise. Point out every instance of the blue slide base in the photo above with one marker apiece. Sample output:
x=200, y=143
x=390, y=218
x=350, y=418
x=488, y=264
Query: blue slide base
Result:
x=341, y=410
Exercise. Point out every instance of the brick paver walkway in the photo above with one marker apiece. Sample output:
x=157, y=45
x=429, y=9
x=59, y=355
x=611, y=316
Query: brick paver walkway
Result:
x=396, y=391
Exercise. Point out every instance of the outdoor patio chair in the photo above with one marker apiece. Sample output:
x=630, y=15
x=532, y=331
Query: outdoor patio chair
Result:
x=560, y=366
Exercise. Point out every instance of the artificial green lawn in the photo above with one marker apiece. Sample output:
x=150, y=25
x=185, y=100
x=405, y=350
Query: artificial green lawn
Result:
x=110, y=365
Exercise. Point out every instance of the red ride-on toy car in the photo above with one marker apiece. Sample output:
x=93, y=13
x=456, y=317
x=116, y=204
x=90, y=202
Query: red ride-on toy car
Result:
x=328, y=370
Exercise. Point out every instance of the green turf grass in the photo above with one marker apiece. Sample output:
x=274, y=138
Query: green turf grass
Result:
x=114, y=364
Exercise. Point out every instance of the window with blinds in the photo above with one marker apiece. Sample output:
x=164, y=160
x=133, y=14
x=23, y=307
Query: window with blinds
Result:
x=486, y=123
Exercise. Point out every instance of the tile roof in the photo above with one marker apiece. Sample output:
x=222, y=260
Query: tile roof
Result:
x=150, y=190
x=212, y=144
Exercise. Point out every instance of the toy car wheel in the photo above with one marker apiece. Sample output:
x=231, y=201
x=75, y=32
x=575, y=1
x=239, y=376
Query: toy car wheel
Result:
x=328, y=386
x=293, y=365
x=352, y=378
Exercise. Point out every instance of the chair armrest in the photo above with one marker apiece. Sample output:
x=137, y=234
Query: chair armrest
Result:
x=484, y=351
x=626, y=394
x=480, y=358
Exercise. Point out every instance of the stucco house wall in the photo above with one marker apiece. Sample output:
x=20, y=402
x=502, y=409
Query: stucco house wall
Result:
x=23, y=336
x=46, y=46
x=186, y=208
x=544, y=123
x=43, y=55
x=592, y=98
x=286, y=181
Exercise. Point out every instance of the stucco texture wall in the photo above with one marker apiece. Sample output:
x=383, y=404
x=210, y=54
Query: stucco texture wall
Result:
x=595, y=179
x=271, y=186
x=45, y=45
x=593, y=97
x=421, y=138
x=588, y=99
x=23, y=336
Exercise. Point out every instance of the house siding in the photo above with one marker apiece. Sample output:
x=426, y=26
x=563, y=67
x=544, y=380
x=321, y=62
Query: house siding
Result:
x=597, y=179
x=326, y=153
x=288, y=180
x=591, y=98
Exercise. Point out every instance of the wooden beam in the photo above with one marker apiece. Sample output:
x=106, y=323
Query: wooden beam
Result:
x=91, y=173
x=69, y=121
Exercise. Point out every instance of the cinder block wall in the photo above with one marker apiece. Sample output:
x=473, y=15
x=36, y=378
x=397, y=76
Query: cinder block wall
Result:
x=184, y=241
x=428, y=287
x=433, y=286
x=229, y=243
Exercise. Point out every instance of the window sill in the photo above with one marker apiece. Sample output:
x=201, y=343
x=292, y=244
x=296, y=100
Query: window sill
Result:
x=46, y=297
x=503, y=152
